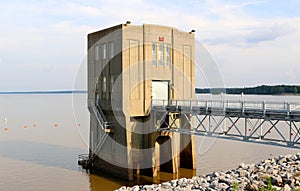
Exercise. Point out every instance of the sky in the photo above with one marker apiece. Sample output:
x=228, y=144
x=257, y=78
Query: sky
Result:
x=43, y=42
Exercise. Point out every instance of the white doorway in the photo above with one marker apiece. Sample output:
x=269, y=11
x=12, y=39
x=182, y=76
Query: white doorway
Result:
x=160, y=90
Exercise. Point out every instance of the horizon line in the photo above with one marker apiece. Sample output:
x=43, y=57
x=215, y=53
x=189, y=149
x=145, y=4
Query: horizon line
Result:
x=44, y=92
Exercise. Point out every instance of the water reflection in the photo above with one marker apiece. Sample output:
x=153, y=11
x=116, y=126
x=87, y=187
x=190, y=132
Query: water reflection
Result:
x=41, y=153
x=100, y=182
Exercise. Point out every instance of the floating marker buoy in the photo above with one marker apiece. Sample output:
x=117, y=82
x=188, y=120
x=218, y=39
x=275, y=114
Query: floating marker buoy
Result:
x=78, y=124
x=25, y=126
x=34, y=125
x=55, y=125
x=5, y=122
x=250, y=129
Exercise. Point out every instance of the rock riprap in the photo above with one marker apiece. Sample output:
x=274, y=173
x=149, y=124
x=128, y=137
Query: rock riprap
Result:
x=281, y=173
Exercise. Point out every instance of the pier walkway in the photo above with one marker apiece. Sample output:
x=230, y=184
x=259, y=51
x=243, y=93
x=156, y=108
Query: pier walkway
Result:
x=276, y=123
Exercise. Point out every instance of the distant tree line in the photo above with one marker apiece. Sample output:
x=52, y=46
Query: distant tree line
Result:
x=259, y=90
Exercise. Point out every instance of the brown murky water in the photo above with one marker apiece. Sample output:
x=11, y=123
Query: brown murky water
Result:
x=40, y=141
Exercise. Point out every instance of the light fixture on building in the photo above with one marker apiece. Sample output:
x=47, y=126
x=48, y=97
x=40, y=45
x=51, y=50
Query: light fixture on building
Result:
x=192, y=31
x=127, y=23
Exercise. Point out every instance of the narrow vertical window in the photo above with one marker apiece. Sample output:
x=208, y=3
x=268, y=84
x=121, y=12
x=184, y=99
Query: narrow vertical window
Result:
x=168, y=50
x=103, y=51
x=111, y=49
x=161, y=54
x=154, y=53
x=111, y=83
x=104, y=87
x=96, y=52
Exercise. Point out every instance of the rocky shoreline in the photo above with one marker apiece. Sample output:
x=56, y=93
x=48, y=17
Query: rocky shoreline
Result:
x=281, y=173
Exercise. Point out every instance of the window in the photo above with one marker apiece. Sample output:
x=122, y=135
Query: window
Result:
x=104, y=85
x=154, y=54
x=96, y=52
x=103, y=51
x=161, y=54
x=111, y=49
x=111, y=83
x=168, y=53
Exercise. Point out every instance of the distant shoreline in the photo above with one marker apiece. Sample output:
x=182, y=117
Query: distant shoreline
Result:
x=44, y=92
x=258, y=90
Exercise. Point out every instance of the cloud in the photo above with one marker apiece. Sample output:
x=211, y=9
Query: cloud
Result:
x=272, y=62
x=257, y=32
x=290, y=75
x=269, y=33
x=51, y=35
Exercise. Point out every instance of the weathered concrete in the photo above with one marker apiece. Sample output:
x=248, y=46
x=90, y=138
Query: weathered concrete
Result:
x=122, y=63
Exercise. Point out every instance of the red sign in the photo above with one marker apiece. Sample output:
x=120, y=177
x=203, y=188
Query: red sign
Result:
x=161, y=39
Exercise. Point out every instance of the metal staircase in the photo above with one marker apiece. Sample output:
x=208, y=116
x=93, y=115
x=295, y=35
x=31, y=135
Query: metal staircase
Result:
x=105, y=127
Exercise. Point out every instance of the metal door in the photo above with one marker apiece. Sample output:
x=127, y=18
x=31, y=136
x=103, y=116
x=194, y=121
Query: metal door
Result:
x=160, y=90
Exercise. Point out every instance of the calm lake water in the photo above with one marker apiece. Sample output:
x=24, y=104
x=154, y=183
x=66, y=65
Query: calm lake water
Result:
x=41, y=137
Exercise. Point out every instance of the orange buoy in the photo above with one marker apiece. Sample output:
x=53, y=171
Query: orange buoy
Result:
x=55, y=125
x=5, y=129
x=25, y=126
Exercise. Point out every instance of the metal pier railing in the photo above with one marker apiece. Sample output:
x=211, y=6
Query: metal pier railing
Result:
x=272, y=122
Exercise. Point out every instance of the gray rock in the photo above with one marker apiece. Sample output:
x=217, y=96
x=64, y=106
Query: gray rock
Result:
x=190, y=181
x=242, y=185
x=242, y=165
x=209, y=179
x=182, y=180
x=225, y=180
x=204, y=185
x=149, y=187
x=166, y=185
x=282, y=170
x=286, y=188
x=252, y=187
x=243, y=173
x=288, y=181
x=122, y=188
x=174, y=183
x=223, y=186
x=276, y=180
x=267, y=161
x=215, y=174
x=297, y=156
x=276, y=188
x=135, y=188
x=196, y=187
x=210, y=189
x=197, y=177
x=214, y=184
x=281, y=161
x=287, y=175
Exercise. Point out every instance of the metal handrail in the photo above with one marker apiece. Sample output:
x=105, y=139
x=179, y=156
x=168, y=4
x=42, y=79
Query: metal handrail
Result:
x=231, y=104
x=83, y=157
x=104, y=125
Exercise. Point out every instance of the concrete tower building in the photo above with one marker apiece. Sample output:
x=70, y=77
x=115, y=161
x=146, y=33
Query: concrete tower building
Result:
x=129, y=68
